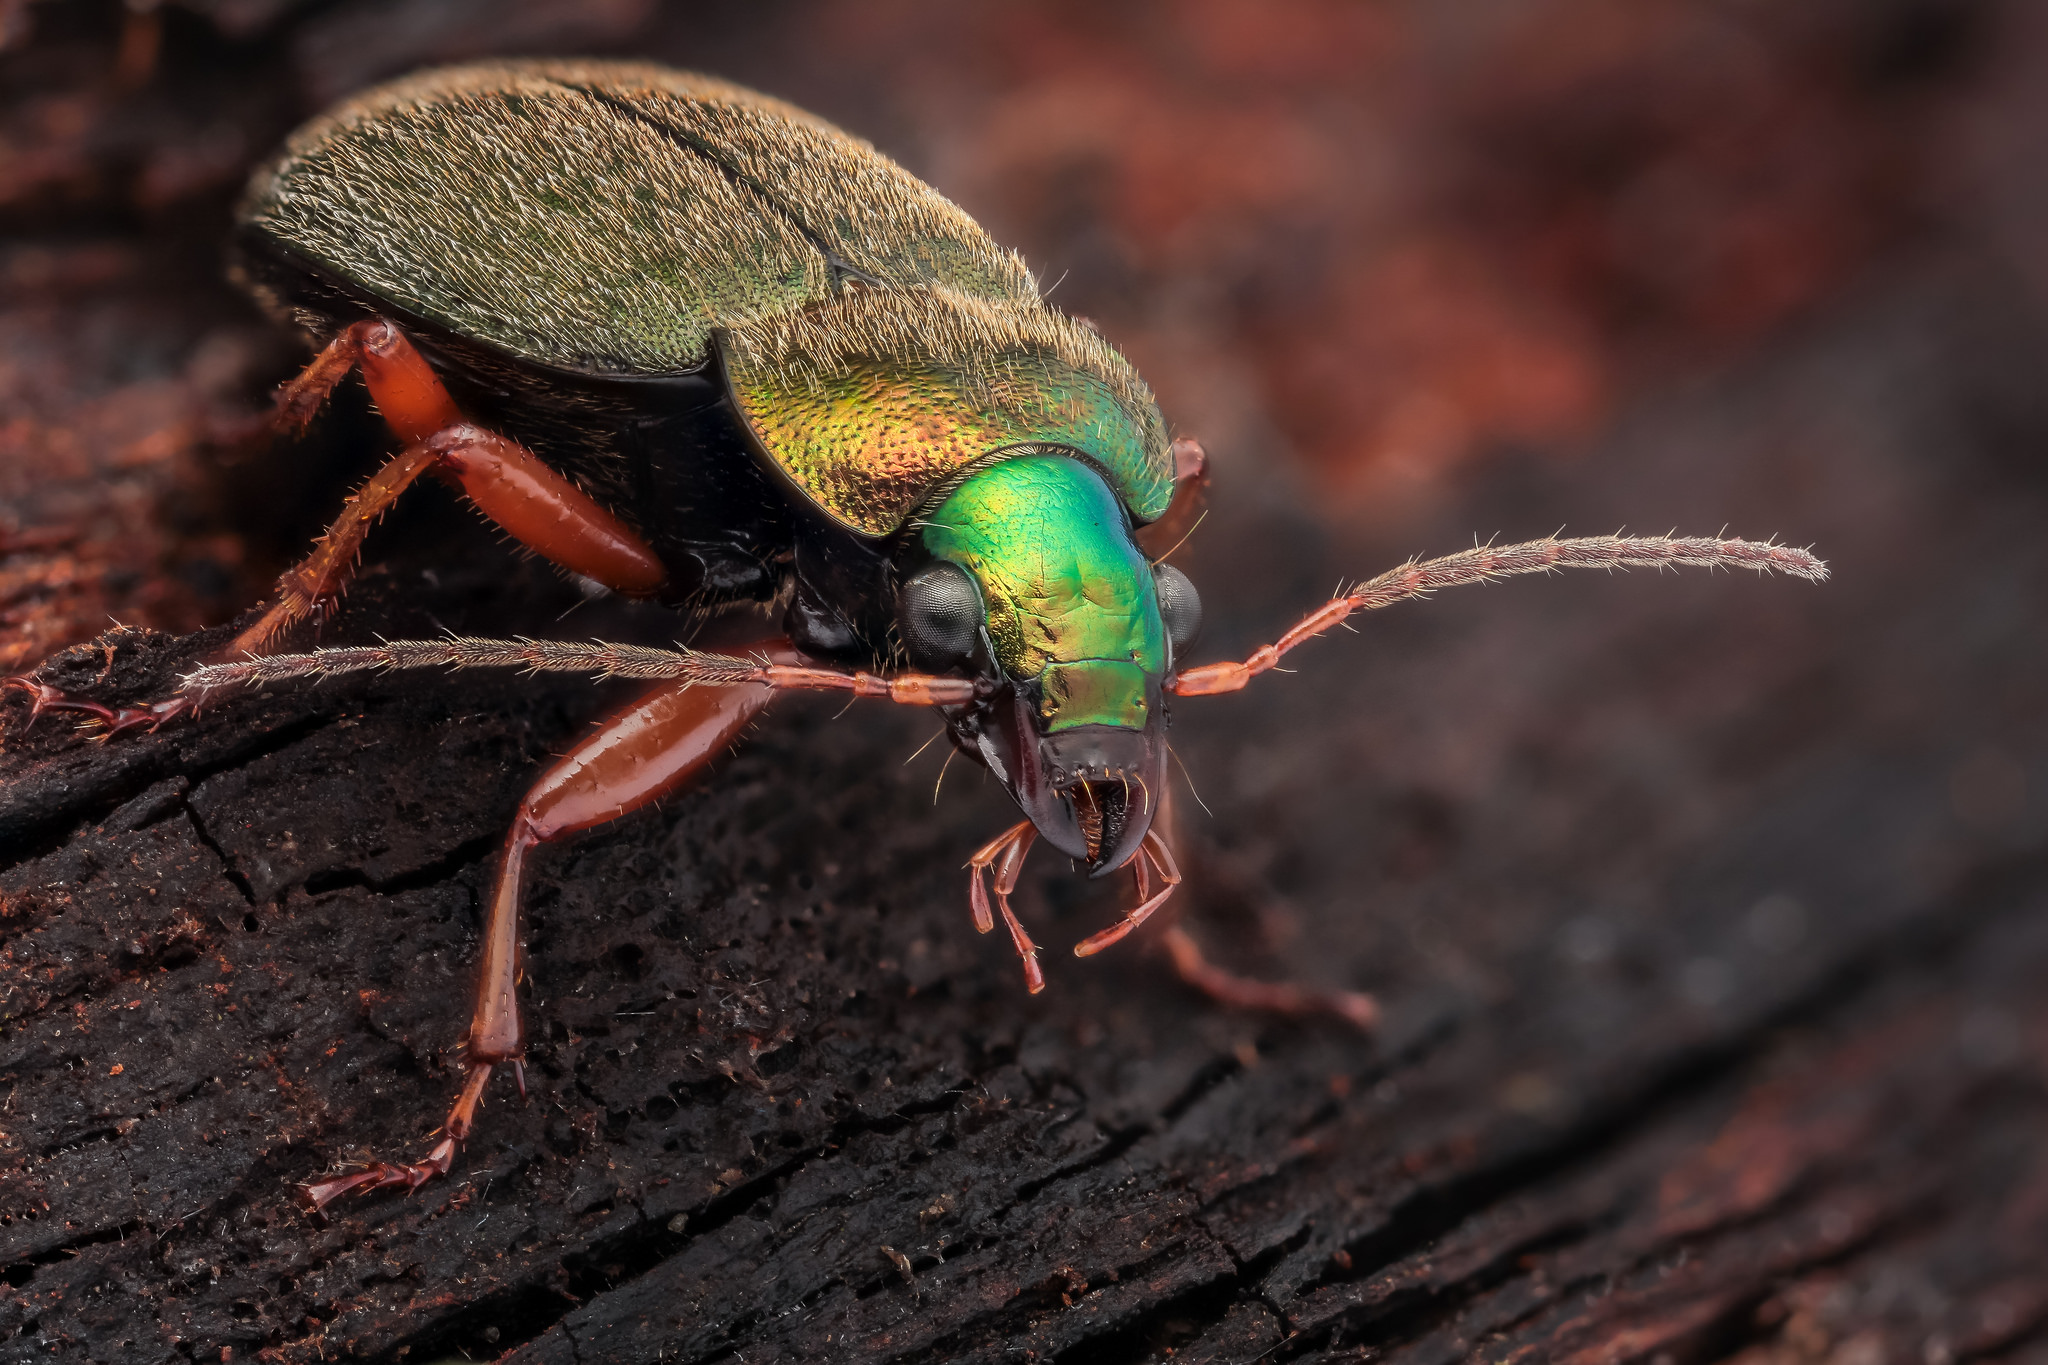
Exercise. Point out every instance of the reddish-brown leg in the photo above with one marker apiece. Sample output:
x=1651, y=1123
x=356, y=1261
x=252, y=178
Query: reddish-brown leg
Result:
x=1006, y=853
x=1227, y=987
x=300, y=400
x=1278, y=997
x=313, y=586
x=510, y=485
x=634, y=758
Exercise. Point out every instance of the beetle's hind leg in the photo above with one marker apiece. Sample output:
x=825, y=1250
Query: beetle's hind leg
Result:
x=301, y=398
x=514, y=489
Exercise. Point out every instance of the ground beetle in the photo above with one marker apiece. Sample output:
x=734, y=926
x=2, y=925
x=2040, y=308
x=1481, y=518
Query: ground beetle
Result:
x=696, y=345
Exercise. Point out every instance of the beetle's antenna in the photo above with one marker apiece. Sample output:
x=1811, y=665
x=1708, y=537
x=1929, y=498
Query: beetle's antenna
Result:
x=1485, y=563
x=687, y=666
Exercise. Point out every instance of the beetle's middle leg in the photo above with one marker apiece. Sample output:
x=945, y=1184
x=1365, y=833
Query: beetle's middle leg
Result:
x=1220, y=984
x=632, y=760
x=1226, y=987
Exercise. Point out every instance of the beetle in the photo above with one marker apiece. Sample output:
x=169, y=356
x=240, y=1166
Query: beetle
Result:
x=698, y=346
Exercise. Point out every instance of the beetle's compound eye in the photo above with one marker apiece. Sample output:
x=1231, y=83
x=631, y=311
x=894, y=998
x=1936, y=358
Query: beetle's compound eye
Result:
x=1180, y=606
x=939, y=614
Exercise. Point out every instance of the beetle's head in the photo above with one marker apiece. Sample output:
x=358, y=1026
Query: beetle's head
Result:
x=1027, y=575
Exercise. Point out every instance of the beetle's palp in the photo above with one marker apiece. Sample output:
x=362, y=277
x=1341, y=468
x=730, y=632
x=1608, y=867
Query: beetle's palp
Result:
x=1484, y=563
x=1005, y=854
x=1154, y=851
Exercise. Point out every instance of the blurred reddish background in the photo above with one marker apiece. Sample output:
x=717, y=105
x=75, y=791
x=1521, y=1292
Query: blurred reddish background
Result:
x=1378, y=242
x=1411, y=271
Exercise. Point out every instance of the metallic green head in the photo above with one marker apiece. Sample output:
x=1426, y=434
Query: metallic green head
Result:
x=1033, y=559
x=1069, y=598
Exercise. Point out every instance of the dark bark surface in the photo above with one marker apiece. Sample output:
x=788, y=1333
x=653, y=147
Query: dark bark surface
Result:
x=1708, y=913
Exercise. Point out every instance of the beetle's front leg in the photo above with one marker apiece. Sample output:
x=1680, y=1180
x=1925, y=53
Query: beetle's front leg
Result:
x=635, y=758
x=1225, y=987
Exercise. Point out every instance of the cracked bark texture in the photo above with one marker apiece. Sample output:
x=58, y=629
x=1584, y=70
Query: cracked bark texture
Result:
x=1709, y=913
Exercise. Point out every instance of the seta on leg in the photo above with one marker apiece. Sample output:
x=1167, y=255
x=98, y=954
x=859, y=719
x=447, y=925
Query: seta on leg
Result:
x=632, y=760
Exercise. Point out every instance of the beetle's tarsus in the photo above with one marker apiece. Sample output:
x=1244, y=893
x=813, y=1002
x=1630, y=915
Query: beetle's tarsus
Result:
x=384, y=1175
x=381, y=1175
x=104, y=721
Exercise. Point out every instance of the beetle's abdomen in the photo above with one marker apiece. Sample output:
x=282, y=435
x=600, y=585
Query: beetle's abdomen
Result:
x=605, y=217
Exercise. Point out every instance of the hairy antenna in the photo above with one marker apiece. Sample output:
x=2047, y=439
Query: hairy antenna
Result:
x=689, y=666
x=1484, y=563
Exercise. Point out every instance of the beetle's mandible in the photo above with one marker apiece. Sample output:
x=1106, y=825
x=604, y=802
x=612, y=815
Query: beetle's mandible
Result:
x=698, y=346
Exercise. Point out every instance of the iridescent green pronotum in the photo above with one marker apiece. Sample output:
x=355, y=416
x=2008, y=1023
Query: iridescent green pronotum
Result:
x=695, y=345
